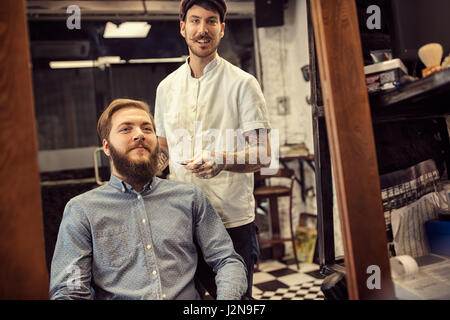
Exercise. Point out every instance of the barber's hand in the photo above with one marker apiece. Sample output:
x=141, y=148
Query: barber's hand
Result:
x=205, y=166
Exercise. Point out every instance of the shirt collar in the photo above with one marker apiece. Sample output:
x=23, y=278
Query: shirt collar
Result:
x=125, y=187
x=210, y=66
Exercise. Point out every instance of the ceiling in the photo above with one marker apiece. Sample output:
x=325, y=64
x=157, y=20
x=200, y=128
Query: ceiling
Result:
x=50, y=39
x=56, y=9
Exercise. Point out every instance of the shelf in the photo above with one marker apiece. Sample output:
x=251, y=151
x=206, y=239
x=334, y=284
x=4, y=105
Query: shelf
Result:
x=425, y=98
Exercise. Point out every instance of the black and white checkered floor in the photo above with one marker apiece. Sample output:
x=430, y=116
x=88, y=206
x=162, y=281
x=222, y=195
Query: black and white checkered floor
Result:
x=275, y=280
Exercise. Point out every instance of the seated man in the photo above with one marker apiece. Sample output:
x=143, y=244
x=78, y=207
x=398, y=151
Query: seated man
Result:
x=135, y=237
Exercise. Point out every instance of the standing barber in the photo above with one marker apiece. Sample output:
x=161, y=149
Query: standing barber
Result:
x=209, y=95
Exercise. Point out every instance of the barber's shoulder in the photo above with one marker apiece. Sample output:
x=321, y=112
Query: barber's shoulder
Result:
x=173, y=77
x=240, y=77
x=231, y=68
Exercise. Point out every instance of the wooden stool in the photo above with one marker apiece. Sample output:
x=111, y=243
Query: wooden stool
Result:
x=272, y=193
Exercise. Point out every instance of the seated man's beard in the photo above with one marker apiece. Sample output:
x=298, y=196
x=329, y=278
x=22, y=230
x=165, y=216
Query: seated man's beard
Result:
x=135, y=172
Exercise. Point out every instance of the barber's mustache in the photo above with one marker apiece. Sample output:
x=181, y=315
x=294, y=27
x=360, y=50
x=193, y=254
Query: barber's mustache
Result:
x=204, y=36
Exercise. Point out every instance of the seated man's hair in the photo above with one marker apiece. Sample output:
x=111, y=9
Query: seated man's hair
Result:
x=104, y=122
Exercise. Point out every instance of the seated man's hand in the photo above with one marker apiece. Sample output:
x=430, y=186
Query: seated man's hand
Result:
x=206, y=165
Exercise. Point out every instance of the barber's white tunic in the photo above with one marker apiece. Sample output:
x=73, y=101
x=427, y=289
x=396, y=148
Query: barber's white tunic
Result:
x=212, y=113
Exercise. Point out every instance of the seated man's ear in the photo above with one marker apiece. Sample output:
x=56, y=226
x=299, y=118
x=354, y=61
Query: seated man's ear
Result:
x=106, y=147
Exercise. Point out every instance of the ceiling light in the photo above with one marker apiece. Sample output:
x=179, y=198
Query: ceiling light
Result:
x=73, y=64
x=110, y=60
x=159, y=60
x=76, y=64
x=126, y=30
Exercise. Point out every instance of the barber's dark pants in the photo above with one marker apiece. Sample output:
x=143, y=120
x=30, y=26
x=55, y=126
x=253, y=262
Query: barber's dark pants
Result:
x=245, y=244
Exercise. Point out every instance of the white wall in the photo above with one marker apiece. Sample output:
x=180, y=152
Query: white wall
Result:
x=284, y=50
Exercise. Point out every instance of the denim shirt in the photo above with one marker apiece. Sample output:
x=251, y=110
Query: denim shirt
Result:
x=116, y=243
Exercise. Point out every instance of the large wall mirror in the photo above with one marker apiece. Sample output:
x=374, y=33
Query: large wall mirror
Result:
x=78, y=70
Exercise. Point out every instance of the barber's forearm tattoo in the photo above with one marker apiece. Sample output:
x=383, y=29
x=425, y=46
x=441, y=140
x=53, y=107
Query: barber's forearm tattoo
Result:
x=257, y=149
x=163, y=160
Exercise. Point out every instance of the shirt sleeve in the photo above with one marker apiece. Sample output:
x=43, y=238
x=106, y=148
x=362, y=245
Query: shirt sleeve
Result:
x=252, y=106
x=218, y=250
x=70, y=276
x=159, y=113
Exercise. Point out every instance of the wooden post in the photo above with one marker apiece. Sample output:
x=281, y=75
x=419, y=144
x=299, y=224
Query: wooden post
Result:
x=23, y=273
x=352, y=148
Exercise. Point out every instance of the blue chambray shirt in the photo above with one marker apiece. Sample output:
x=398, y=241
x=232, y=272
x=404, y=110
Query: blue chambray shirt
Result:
x=116, y=243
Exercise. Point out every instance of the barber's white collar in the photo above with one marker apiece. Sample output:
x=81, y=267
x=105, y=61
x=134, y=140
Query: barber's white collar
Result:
x=214, y=62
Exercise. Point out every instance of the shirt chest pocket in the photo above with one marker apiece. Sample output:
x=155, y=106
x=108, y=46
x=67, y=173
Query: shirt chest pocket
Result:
x=114, y=247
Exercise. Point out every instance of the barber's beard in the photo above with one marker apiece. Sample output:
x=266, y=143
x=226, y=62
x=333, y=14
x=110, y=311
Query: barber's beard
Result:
x=135, y=172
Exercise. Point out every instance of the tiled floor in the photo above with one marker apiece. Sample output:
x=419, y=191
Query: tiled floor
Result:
x=275, y=280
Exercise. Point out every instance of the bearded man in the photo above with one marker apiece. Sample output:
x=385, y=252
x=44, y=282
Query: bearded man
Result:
x=137, y=236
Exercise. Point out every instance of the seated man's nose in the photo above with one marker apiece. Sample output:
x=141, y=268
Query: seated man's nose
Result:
x=139, y=136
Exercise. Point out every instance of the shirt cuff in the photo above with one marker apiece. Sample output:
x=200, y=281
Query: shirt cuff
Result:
x=229, y=294
x=256, y=125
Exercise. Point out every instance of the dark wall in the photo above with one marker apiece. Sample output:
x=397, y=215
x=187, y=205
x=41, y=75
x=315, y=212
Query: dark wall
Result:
x=403, y=144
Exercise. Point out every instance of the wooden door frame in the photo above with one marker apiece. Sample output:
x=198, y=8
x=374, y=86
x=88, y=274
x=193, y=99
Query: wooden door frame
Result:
x=23, y=272
x=352, y=148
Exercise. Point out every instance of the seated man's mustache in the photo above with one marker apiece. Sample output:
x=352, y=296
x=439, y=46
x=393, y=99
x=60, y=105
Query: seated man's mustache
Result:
x=139, y=144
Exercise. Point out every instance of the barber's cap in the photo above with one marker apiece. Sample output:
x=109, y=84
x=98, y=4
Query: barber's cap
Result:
x=221, y=6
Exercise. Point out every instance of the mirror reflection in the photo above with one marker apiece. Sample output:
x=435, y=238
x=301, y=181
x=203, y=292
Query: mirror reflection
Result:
x=80, y=67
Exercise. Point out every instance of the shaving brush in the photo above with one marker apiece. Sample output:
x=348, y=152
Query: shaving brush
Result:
x=431, y=56
x=446, y=63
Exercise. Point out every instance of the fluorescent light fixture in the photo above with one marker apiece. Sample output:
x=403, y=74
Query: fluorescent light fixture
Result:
x=159, y=60
x=100, y=62
x=110, y=60
x=72, y=64
x=132, y=29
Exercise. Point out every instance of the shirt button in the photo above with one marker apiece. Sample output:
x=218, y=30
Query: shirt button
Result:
x=154, y=272
x=139, y=197
x=143, y=221
x=149, y=246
